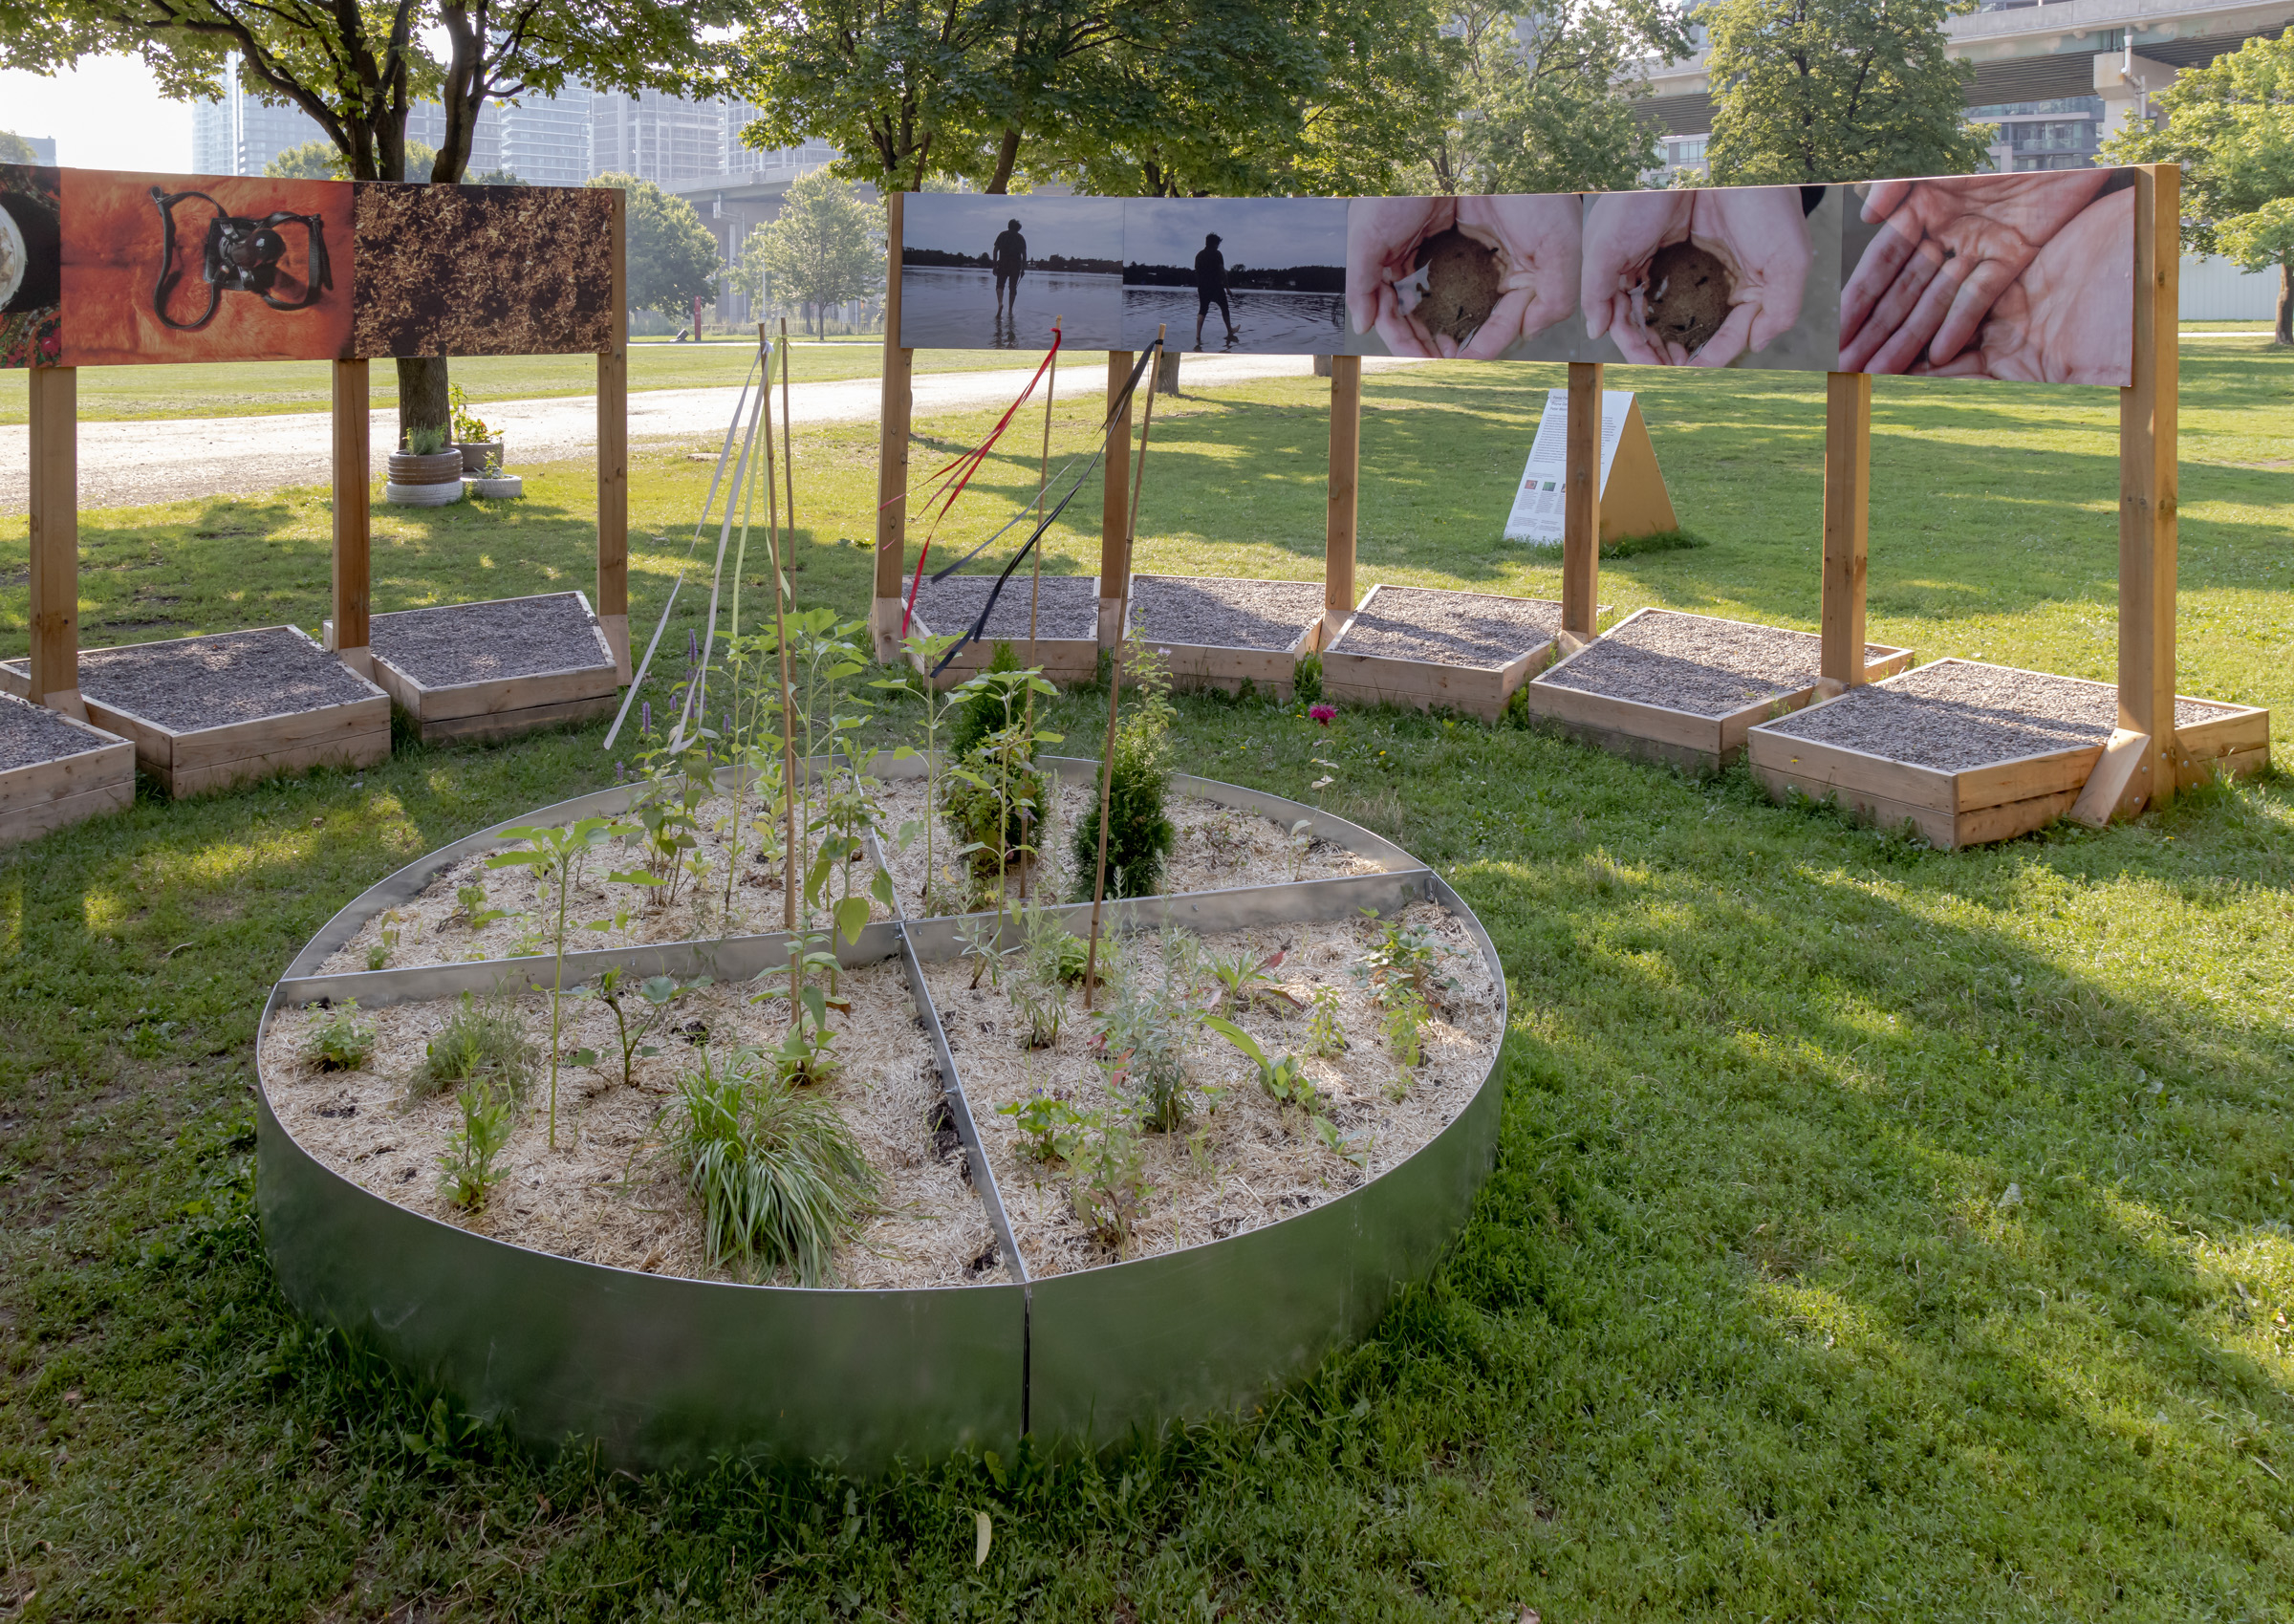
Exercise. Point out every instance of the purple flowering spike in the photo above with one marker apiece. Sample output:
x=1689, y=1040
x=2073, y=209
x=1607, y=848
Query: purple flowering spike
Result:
x=648, y=723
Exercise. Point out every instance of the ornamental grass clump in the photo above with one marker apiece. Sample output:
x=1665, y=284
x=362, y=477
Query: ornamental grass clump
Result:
x=481, y=1043
x=1139, y=831
x=779, y=1178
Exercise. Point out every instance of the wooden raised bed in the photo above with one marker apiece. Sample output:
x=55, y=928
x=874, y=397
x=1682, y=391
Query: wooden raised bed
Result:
x=1066, y=642
x=64, y=771
x=1952, y=797
x=1229, y=632
x=277, y=700
x=2233, y=742
x=1705, y=731
x=1394, y=649
x=495, y=669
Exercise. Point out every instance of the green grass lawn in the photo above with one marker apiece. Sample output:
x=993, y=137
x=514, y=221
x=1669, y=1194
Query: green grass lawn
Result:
x=109, y=394
x=1877, y=1232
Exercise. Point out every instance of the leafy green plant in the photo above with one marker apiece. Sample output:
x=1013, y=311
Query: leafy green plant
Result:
x=940, y=707
x=664, y=815
x=1405, y=956
x=426, y=440
x=1050, y=1129
x=1144, y=1027
x=807, y=1051
x=469, y=427
x=981, y=940
x=1306, y=679
x=1105, y=1181
x=1044, y=1007
x=1326, y=1032
x=1285, y=1080
x=341, y=1041
x=466, y=1171
x=634, y=1022
x=979, y=708
x=1139, y=831
x=479, y=1043
x=1050, y=950
x=996, y=801
x=779, y=1178
x=470, y=906
x=1246, y=979
x=1405, y=1028
x=377, y=957
x=555, y=857
x=1345, y=1149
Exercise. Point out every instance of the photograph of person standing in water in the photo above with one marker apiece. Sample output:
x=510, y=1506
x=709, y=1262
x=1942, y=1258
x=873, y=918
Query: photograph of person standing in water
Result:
x=1236, y=275
x=980, y=273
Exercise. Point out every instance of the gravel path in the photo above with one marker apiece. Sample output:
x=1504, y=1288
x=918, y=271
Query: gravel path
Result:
x=1695, y=662
x=1069, y=608
x=1449, y=628
x=32, y=733
x=187, y=683
x=1955, y=714
x=478, y=642
x=1216, y=612
x=166, y=460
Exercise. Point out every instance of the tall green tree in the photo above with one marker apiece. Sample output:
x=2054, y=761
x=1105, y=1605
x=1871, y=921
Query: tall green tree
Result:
x=1837, y=90
x=825, y=246
x=1540, y=100
x=321, y=160
x=673, y=257
x=1123, y=95
x=2230, y=124
x=357, y=66
x=15, y=150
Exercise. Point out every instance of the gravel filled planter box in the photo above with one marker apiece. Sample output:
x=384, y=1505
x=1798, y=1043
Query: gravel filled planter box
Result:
x=1965, y=752
x=1423, y=647
x=496, y=669
x=1222, y=633
x=205, y=713
x=1067, y=623
x=54, y=771
x=941, y=1335
x=1684, y=689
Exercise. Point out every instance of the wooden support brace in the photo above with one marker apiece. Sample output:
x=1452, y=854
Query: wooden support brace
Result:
x=1846, y=523
x=2148, y=482
x=54, y=562
x=613, y=456
x=1115, y=500
x=1581, y=503
x=347, y=628
x=897, y=402
x=1346, y=466
x=2106, y=783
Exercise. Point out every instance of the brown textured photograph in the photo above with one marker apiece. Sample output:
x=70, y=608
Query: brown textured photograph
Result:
x=483, y=271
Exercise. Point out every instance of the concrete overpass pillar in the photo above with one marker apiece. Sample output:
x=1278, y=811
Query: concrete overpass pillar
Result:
x=2124, y=82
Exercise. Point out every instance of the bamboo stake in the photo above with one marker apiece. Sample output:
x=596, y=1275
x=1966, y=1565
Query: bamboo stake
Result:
x=788, y=422
x=1115, y=678
x=1036, y=577
x=780, y=621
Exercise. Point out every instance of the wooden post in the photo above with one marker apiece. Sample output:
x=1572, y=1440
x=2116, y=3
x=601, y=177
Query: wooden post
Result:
x=1581, y=503
x=347, y=633
x=613, y=455
x=55, y=506
x=1346, y=464
x=892, y=452
x=1846, y=523
x=1114, y=498
x=2147, y=490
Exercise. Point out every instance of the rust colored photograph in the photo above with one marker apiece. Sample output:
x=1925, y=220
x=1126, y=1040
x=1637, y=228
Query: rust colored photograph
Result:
x=204, y=268
x=483, y=271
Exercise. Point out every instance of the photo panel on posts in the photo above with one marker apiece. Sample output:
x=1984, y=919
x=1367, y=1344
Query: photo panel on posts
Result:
x=980, y=273
x=1263, y=276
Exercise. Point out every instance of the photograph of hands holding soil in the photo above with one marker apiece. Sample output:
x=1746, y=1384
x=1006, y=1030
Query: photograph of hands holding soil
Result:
x=1135, y=1016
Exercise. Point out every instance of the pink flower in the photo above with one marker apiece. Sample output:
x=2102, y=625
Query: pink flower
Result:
x=1322, y=713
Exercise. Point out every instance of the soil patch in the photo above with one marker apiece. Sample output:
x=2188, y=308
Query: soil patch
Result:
x=31, y=733
x=1689, y=290
x=1696, y=664
x=1214, y=613
x=1241, y=1161
x=1958, y=713
x=1449, y=628
x=610, y=1194
x=457, y=643
x=188, y=684
x=1069, y=607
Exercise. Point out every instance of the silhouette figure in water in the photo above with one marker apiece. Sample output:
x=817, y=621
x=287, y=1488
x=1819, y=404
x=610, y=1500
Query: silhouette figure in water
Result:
x=1210, y=288
x=1011, y=263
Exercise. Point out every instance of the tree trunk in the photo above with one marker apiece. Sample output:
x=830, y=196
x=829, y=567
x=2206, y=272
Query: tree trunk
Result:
x=421, y=394
x=2285, y=305
x=1007, y=153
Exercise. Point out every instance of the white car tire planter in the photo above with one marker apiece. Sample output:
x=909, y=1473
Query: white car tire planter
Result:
x=421, y=495
x=429, y=480
x=507, y=485
x=659, y=1369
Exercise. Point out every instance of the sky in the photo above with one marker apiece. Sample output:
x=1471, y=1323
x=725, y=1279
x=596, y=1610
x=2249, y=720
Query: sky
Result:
x=1261, y=231
x=106, y=114
x=967, y=223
